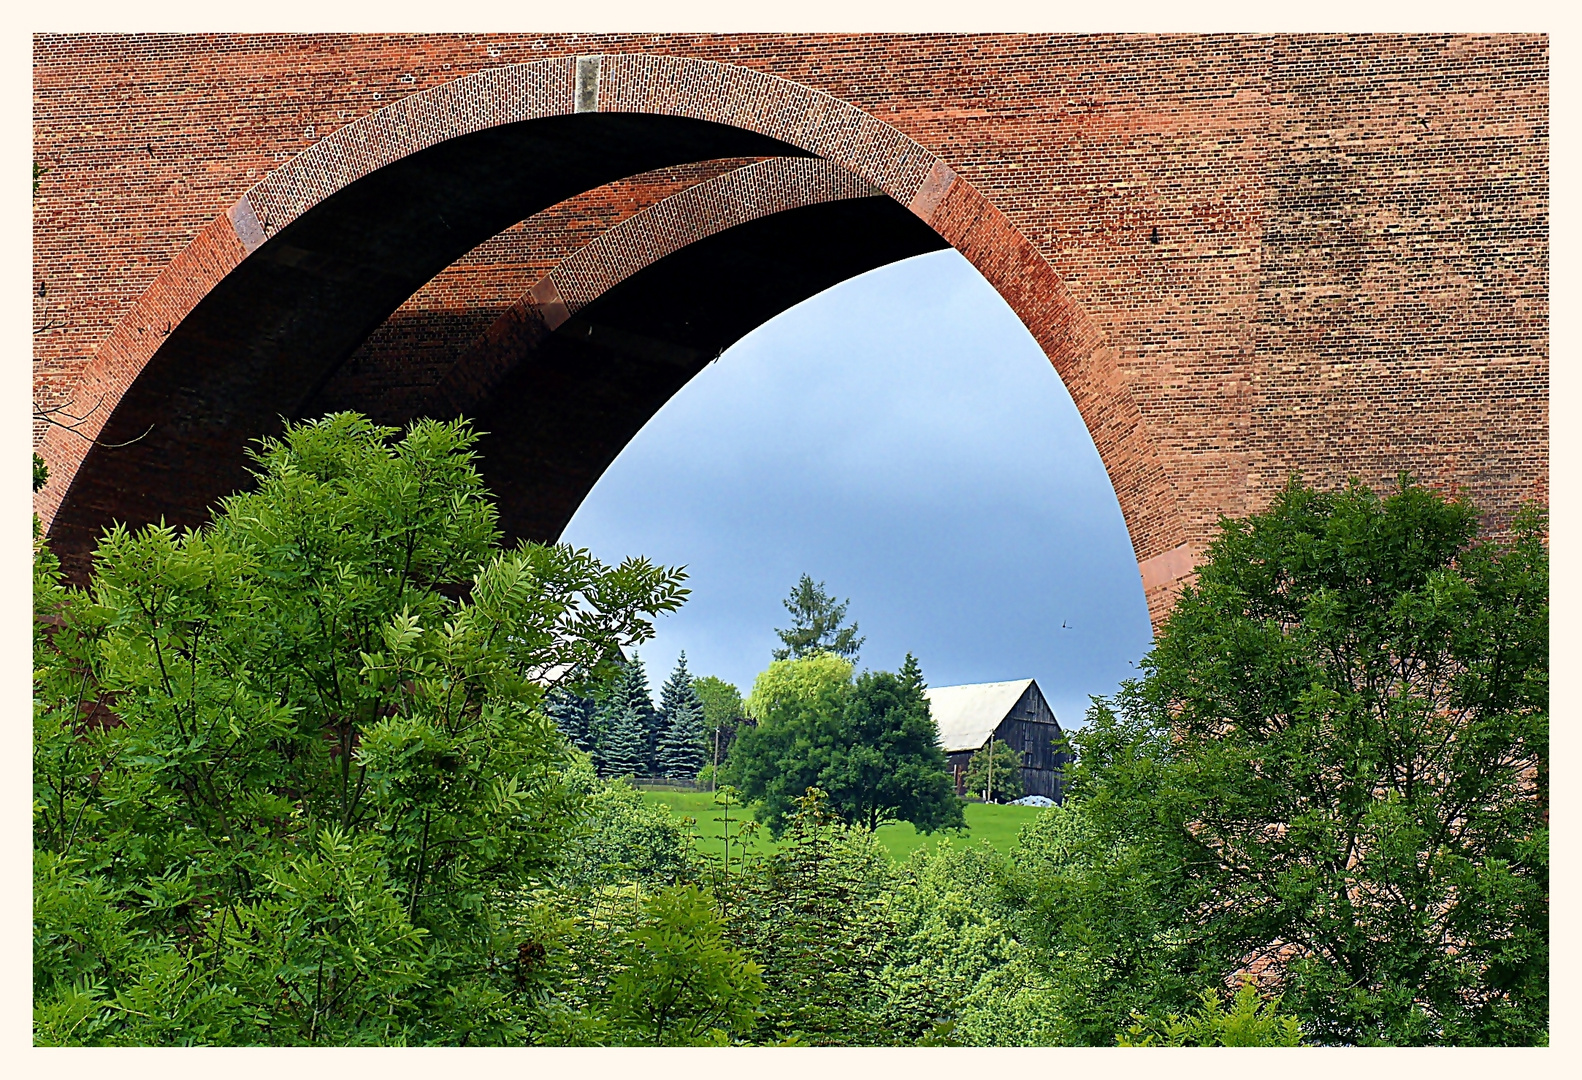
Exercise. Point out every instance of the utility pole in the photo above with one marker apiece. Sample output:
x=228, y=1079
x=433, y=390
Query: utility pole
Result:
x=989, y=788
x=714, y=777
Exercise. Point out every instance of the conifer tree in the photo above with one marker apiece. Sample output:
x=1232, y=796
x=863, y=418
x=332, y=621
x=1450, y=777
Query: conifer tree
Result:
x=871, y=745
x=573, y=716
x=625, y=746
x=680, y=752
x=630, y=690
x=816, y=624
x=676, y=688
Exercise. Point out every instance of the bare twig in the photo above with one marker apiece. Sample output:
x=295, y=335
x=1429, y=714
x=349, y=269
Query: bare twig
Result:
x=52, y=414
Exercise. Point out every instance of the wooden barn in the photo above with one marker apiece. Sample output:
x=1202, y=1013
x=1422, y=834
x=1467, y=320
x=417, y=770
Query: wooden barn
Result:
x=1014, y=713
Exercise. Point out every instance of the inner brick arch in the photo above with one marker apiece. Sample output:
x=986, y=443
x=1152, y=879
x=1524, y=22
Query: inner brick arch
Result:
x=710, y=109
x=690, y=216
x=566, y=376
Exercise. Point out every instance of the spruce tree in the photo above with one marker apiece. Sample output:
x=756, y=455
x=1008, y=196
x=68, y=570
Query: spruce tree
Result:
x=625, y=745
x=680, y=752
x=676, y=688
x=630, y=690
x=816, y=624
x=573, y=716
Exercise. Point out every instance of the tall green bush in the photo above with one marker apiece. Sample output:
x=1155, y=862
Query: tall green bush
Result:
x=292, y=783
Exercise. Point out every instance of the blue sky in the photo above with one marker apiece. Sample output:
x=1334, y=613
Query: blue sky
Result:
x=902, y=438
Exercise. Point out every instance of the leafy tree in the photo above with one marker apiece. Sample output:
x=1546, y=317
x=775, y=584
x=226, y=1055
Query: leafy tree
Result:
x=797, y=705
x=1336, y=766
x=871, y=746
x=818, y=682
x=40, y=472
x=683, y=985
x=724, y=711
x=816, y=624
x=680, y=753
x=1003, y=782
x=1250, y=1021
x=722, y=701
x=291, y=780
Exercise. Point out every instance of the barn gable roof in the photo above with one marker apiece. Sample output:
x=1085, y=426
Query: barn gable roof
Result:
x=967, y=715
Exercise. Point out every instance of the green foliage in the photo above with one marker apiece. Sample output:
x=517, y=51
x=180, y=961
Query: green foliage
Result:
x=679, y=753
x=891, y=766
x=1096, y=926
x=816, y=625
x=625, y=750
x=871, y=746
x=1337, y=761
x=327, y=953
x=621, y=839
x=626, y=724
x=813, y=914
x=1250, y=1021
x=573, y=716
x=999, y=782
x=819, y=682
x=287, y=786
x=677, y=690
x=315, y=774
x=682, y=984
x=40, y=472
x=738, y=834
x=724, y=715
x=952, y=931
x=722, y=702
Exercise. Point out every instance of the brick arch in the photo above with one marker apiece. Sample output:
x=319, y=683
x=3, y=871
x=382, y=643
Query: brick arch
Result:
x=744, y=194
x=723, y=97
x=563, y=379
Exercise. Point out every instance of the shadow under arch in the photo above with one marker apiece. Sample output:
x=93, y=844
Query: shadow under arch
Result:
x=565, y=377
x=256, y=313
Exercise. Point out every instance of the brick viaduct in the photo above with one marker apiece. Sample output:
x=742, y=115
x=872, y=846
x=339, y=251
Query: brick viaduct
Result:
x=1245, y=256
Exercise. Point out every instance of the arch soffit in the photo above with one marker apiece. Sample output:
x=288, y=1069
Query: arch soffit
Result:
x=817, y=122
x=693, y=214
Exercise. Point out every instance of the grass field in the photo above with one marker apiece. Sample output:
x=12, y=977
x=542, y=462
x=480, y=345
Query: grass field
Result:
x=996, y=824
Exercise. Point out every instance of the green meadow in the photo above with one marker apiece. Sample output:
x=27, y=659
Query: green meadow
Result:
x=998, y=825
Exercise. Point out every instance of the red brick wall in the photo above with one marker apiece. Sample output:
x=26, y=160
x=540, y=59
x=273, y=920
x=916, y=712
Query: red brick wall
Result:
x=1324, y=254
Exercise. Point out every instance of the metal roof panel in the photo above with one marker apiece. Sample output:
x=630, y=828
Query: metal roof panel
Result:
x=967, y=715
